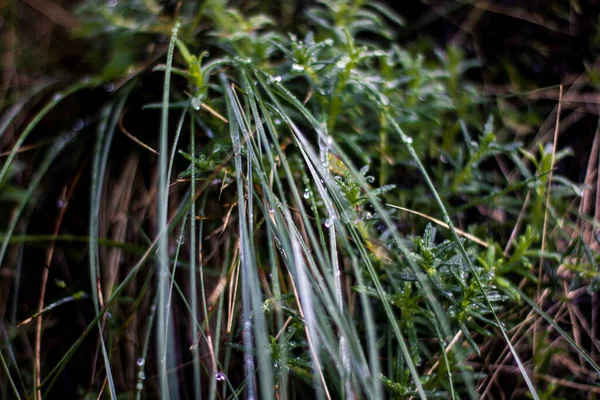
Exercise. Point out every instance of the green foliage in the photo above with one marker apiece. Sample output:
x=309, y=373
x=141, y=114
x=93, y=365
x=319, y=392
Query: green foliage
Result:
x=301, y=281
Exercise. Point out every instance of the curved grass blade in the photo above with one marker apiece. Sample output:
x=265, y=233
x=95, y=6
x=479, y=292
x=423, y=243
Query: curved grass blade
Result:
x=57, y=98
x=106, y=132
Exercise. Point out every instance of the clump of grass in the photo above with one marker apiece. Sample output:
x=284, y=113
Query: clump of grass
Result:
x=276, y=244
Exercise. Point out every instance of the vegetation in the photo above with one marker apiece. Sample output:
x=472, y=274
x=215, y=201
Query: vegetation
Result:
x=242, y=209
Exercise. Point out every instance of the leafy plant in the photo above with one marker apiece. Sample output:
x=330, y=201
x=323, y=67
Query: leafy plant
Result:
x=253, y=244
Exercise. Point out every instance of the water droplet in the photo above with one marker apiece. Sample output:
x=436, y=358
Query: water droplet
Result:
x=60, y=203
x=271, y=210
x=142, y=375
x=220, y=376
x=328, y=222
x=343, y=62
x=306, y=194
x=407, y=139
x=370, y=179
x=108, y=314
x=181, y=240
x=275, y=365
x=141, y=362
x=78, y=124
x=443, y=159
x=329, y=141
x=109, y=87
x=328, y=42
x=57, y=96
x=275, y=79
x=140, y=386
x=297, y=67
x=193, y=347
x=196, y=103
x=277, y=121
x=112, y=3
x=384, y=100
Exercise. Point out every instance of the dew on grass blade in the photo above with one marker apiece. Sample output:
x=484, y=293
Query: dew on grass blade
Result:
x=141, y=362
x=329, y=222
x=220, y=376
x=78, y=124
x=109, y=87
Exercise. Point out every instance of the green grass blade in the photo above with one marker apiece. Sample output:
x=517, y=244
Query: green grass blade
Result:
x=166, y=348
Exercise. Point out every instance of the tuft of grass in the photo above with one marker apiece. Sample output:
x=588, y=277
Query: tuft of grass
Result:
x=263, y=249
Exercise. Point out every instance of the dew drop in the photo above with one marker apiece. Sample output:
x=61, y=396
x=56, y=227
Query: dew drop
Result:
x=328, y=222
x=220, y=376
x=306, y=194
x=60, y=203
x=297, y=67
x=196, y=103
x=277, y=121
x=181, y=240
x=112, y=3
x=370, y=179
x=109, y=87
x=443, y=159
x=57, y=96
x=78, y=124
x=141, y=362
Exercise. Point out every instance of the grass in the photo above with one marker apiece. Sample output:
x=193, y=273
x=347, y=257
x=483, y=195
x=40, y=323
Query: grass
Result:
x=321, y=213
